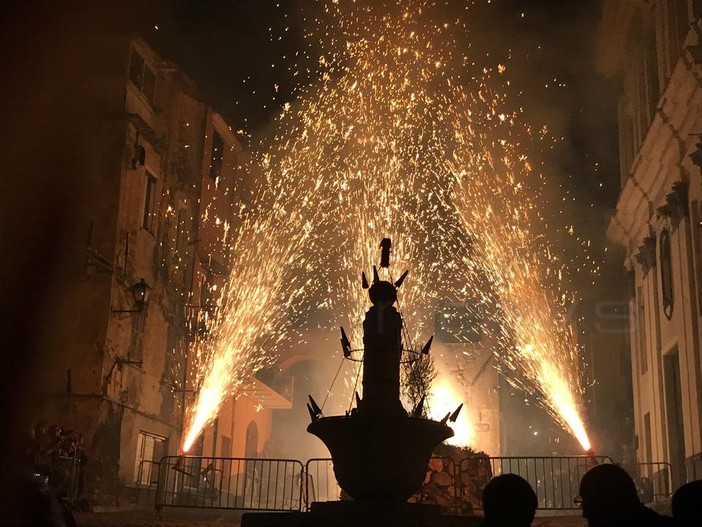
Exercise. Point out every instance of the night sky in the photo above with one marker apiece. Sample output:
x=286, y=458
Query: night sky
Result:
x=243, y=55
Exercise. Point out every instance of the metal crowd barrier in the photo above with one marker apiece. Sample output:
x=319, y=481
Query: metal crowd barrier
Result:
x=230, y=483
x=653, y=480
x=555, y=479
x=67, y=477
x=287, y=485
x=320, y=482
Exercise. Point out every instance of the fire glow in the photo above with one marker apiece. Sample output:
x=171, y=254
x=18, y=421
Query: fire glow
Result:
x=444, y=399
x=402, y=139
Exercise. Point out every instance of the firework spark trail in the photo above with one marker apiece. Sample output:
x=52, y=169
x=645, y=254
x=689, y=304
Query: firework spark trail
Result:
x=378, y=121
x=417, y=134
x=266, y=279
x=539, y=348
x=399, y=140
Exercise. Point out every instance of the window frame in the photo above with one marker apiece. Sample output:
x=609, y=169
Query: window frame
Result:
x=138, y=76
x=149, y=215
x=141, y=448
x=665, y=257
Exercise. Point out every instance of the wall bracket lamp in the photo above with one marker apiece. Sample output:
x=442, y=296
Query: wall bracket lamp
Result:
x=140, y=292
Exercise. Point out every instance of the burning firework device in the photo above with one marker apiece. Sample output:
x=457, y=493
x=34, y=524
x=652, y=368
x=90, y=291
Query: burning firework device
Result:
x=178, y=467
x=593, y=457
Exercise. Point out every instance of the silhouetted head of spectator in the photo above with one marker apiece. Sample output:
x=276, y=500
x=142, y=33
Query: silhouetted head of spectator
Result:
x=687, y=504
x=509, y=500
x=40, y=428
x=608, y=492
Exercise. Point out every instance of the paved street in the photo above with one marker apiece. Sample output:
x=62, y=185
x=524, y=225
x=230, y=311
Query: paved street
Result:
x=229, y=519
x=150, y=518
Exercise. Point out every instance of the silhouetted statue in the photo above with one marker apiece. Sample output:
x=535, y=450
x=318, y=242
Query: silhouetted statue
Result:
x=687, y=504
x=609, y=499
x=382, y=342
x=509, y=501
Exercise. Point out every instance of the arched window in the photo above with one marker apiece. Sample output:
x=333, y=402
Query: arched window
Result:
x=251, y=447
x=666, y=274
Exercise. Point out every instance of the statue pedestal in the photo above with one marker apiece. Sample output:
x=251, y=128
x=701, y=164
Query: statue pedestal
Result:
x=380, y=458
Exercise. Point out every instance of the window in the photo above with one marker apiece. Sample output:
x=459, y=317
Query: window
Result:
x=216, y=157
x=696, y=210
x=641, y=327
x=648, y=438
x=150, y=449
x=651, y=67
x=678, y=27
x=175, y=353
x=142, y=76
x=666, y=274
x=682, y=21
x=149, y=216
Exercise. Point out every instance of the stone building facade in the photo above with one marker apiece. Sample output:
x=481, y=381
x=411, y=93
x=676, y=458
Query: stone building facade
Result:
x=159, y=176
x=658, y=220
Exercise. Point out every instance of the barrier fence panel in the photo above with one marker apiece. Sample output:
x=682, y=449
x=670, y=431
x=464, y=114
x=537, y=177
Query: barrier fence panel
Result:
x=320, y=481
x=230, y=483
x=555, y=479
x=287, y=485
x=653, y=480
x=66, y=476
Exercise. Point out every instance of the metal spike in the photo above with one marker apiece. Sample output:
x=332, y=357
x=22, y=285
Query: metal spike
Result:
x=455, y=413
x=399, y=281
x=313, y=416
x=315, y=406
x=376, y=278
x=345, y=344
x=427, y=346
x=364, y=280
x=443, y=421
x=417, y=412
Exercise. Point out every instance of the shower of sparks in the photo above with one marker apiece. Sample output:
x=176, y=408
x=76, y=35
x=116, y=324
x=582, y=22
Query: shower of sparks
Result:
x=267, y=278
x=400, y=138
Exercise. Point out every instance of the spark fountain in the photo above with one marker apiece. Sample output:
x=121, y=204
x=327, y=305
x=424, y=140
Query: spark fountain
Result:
x=430, y=148
x=402, y=134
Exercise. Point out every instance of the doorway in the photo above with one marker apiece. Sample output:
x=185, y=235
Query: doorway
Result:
x=674, y=416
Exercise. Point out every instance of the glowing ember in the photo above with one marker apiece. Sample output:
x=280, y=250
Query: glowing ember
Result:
x=400, y=139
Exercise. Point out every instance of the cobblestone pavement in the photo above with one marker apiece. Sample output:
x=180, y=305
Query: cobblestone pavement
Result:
x=150, y=518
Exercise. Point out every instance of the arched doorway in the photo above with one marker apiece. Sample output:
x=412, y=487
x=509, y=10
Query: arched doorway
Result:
x=251, y=447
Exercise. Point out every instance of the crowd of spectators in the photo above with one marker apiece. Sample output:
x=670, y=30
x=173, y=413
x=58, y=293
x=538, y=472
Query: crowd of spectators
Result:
x=58, y=453
x=608, y=497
